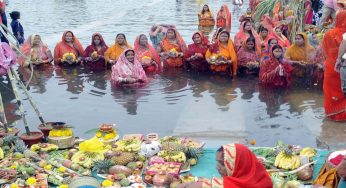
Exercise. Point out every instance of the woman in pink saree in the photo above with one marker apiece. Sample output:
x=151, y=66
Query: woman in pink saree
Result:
x=147, y=55
x=7, y=58
x=128, y=71
x=246, y=31
x=36, y=50
x=282, y=40
x=248, y=57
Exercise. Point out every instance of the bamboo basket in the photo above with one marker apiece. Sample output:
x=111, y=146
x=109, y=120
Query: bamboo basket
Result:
x=62, y=142
x=84, y=181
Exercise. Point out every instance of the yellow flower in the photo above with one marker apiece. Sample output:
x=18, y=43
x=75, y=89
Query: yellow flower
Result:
x=108, y=136
x=48, y=167
x=31, y=181
x=13, y=166
x=98, y=134
x=107, y=183
x=63, y=186
x=10, y=129
x=14, y=185
x=173, y=50
x=62, y=169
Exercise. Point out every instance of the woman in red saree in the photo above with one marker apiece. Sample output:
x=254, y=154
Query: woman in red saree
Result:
x=94, y=53
x=222, y=56
x=248, y=57
x=246, y=31
x=282, y=40
x=172, y=48
x=128, y=71
x=334, y=99
x=147, y=54
x=37, y=51
x=275, y=71
x=69, y=50
x=238, y=167
x=223, y=18
x=308, y=12
x=195, y=54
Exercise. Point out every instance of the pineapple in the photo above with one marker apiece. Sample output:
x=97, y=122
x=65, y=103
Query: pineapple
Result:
x=123, y=158
x=172, y=146
x=192, y=153
x=102, y=166
x=19, y=146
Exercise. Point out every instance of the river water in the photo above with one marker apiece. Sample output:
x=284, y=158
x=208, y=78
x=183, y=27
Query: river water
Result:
x=214, y=109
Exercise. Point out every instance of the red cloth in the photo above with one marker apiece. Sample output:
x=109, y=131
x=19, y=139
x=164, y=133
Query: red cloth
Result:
x=99, y=64
x=248, y=171
x=334, y=99
x=269, y=76
x=198, y=64
x=224, y=18
x=337, y=160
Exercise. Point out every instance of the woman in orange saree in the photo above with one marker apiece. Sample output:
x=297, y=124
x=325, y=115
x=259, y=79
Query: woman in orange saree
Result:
x=223, y=18
x=222, y=56
x=246, y=31
x=299, y=54
x=282, y=40
x=206, y=17
x=113, y=53
x=147, y=54
x=38, y=52
x=334, y=99
x=238, y=167
x=172, y=48
x=69, y=50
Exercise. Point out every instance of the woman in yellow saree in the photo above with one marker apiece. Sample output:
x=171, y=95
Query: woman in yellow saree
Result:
x=112, y=54
x=171, y=49
x=206, y=17
x=221, y=56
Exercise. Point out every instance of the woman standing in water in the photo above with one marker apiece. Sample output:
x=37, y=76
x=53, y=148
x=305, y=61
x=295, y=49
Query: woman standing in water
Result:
x=246, y=31
x=38, y=52
x=94, y=53
x=334, y=99
x=147, y=55
x=68, y=51
x=112, y=54
x=206, y=20
x=195, y=55
x=224, y=18
x=171, y=49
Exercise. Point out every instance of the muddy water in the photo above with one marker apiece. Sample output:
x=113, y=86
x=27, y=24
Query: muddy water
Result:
x=211, y=108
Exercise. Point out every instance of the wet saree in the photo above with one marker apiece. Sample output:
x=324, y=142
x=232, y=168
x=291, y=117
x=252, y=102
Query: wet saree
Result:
x=148, y=56
x=242, y=36
x=63, y=48
x=40, y=52
x=93, y=56
x=248, y=61
x=334, y=99
x=223, y=18
x=206, y=18
x=200, y=63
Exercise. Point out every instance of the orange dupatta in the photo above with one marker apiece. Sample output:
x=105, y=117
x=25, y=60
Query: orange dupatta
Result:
x=224, y=18
x=63, y=47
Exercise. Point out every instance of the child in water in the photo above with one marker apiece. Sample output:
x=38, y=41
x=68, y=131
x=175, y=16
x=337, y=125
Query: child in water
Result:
x=17, y=28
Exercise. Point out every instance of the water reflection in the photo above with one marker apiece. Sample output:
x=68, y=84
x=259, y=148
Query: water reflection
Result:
x=8, y=100
x=72, y=77
x=39, y=79
x=273, y=98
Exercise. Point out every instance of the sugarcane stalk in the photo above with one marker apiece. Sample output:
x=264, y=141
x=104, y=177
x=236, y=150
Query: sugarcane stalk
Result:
x=3, y=116
x=19, y=103
x=31, y=100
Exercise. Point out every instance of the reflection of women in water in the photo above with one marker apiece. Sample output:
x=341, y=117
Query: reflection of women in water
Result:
x=36, y=50
x=94, y=53
x=71, y=76
x=39, y=79
x=128, y=97
x=68, y=51
x=273, y=98
x=334, y=99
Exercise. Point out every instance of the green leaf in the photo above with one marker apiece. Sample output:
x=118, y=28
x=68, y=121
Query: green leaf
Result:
x=91, y=131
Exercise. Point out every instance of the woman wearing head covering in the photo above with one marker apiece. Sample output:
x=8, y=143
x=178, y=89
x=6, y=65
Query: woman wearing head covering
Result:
x=69, y=50
x=299, y=54
x=222, y=56
x=246, y=31
x=266, y=53
x=238, y=167
x=248, y=57
x=223, y=18
x=334, y=99
x=147, y=54
x=112, y=54
x=36, y=50
x=206, y=17
x=275, y=71
x=7, y=58
x=282, y=40
x=128, y=70
x=172, y=48
x=195, y=54
x=94, y=53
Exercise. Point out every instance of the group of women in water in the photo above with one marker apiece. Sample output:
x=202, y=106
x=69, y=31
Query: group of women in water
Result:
x=264, y=50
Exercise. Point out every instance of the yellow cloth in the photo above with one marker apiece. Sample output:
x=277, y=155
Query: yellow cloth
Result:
x=115, y=51
x=326, y=178
x=296, y=53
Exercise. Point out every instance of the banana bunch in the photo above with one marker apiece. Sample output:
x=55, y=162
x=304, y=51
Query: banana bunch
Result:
x=287, y=162
x=44, y=147
x=87, y=159
x=128, y=145
x=173, y=156
x=309, y=152
x=61, y=132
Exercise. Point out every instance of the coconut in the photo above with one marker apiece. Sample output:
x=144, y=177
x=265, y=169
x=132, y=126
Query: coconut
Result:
x=305, y=174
